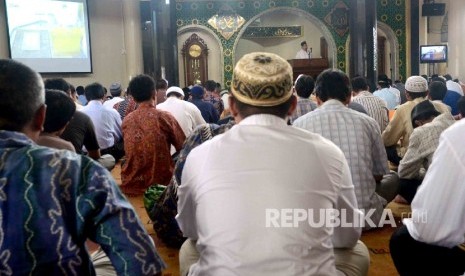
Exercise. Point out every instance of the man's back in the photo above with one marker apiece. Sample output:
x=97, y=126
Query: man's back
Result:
x=376, y=108
x=392, y=100
x=358, y=136
x=209, y=112
x=273, y=167
x=107, y=123
x=80, y=132
x=186, y=113
x=52, y=201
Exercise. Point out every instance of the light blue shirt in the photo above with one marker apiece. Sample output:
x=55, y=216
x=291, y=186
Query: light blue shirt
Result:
x=389, y=96
x=107, y=123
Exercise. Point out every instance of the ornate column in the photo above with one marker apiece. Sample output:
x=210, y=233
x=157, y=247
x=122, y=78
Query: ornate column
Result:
x=165, y=55
x=363, y=39
x=132, y=38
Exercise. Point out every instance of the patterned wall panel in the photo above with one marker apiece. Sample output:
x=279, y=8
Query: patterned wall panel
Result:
x=198, y=12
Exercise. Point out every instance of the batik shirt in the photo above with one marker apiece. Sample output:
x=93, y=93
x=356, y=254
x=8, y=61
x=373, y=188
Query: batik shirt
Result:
x=51, y=201
x=148, y=134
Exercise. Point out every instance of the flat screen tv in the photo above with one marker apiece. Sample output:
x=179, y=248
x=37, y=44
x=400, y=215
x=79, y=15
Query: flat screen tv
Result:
x=50, y=36
x=433, y=53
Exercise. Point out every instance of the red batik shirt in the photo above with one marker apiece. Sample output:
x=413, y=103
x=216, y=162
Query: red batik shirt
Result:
x=148, y=134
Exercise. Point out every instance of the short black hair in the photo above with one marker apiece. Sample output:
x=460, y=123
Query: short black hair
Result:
x=210, y=85
x=303, y=43
x=383, y=81
x=304, y=86
x=246, y=110
x=95, y=91
x=60, y=110
x=437, y=90
x=57, y=84
x=447, y=77
x=461, y=106
x=21, y=94
x=161, y=84
x=142, y=88
x=80, y=90
x=332, y=84
x=359, y=84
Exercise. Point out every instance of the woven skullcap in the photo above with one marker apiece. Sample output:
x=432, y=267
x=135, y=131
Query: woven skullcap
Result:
x=262, y=79
x=416, y=84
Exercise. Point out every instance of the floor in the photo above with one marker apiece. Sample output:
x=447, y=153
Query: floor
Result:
x=376, y=240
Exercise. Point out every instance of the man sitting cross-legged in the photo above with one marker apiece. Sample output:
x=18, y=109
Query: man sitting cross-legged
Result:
x=53, y=200
x=60, y=110
x=262, y=166
x=428, y=125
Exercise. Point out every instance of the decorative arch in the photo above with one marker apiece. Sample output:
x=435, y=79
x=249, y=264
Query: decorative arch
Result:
x=203, y=30
x=393, y=44
x=332, y=49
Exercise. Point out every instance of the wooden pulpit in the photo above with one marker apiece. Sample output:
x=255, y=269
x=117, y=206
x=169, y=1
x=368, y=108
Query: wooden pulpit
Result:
x=312, y=67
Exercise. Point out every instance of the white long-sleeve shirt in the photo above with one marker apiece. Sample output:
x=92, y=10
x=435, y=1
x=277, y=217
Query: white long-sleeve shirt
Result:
x=229, y=183
x=438, y=209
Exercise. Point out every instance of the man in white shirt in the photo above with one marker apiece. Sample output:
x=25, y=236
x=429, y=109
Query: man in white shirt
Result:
x=230, y=184
x=115, y=91
x=431, y=242
x=303, y=53
x=186, y=113
x=452, y=85
x=107, y=122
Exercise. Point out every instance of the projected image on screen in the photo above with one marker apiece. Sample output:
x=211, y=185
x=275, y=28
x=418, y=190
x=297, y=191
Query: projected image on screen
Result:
x=48, y=35
x=433, y=53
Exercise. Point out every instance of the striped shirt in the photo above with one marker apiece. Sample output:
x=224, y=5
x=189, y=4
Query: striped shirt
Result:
x=376, y=107
x=423, y=142
x=359, y=137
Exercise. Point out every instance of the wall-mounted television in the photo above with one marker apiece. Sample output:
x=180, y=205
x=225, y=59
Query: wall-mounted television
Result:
x=433, y=53
x=50, y=36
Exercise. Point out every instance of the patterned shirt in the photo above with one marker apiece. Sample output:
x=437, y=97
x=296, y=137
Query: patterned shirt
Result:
x=359, y=137
x=148, y=134
x=303, y=107
x=400, y=127
x=125, y=107
x=423, y=142
x=376, y=108
x=51, y=201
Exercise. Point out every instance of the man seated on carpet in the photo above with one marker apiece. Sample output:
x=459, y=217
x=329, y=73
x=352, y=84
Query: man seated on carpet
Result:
x=303, y=87
x=400, y=127
x=358, y=136
x=428, y=125
x=376, y=107
x=65, y=197
x=148, y=136
x=431, y=242
x=60, y=110
x=107, y=122
x=263, y=163
x=80, y=129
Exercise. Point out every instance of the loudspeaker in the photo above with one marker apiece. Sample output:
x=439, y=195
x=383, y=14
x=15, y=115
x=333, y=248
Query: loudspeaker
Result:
x=433, y=9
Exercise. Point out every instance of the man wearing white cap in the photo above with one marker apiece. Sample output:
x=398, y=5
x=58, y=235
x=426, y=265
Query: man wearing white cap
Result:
x=262, y=165
x=400, y=127
x=186, y=113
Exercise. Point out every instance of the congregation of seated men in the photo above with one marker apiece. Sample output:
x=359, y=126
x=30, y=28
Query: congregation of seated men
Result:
x=227, y=167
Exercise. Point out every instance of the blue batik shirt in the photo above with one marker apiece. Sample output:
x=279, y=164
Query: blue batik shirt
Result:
x=51, y=201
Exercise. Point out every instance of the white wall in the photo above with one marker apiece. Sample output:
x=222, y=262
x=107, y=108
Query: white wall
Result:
x=108, y=43
x=285, y=47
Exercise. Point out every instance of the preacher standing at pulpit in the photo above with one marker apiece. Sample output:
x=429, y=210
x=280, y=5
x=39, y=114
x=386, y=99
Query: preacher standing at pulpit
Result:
x=303, y=53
